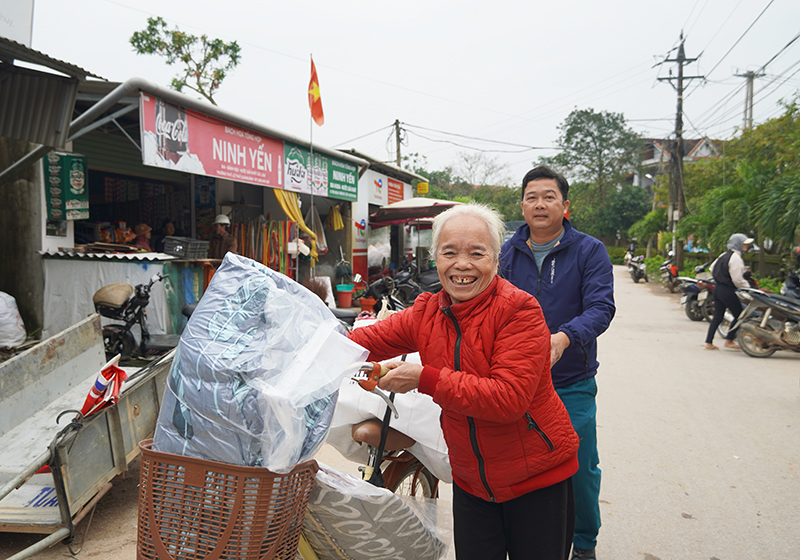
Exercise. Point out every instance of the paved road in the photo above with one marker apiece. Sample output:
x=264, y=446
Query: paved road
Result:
x=700, y=450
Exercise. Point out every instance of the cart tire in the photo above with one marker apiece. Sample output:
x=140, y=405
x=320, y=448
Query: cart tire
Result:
x=425, y=485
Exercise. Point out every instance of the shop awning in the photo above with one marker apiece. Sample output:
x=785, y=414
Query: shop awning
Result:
x=407, y=210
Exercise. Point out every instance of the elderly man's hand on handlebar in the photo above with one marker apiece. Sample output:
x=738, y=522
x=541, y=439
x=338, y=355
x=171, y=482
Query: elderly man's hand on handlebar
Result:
x=402, y=377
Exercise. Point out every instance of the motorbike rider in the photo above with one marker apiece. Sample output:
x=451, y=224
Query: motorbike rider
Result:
x=728, y=271
x=221, y=241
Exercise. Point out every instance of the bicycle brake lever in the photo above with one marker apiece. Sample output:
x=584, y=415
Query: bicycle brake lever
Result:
x=386, y=398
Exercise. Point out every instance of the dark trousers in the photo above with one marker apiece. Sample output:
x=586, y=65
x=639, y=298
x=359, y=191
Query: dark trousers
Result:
x=536, y=526
x=724, y=298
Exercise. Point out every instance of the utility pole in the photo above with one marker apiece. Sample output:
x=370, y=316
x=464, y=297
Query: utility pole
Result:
x=748, y=97
x=677, y=203
x=397, y=139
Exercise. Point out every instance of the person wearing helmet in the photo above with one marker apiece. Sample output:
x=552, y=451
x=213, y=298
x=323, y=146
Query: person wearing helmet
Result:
x=221, y=240
x=728, y=271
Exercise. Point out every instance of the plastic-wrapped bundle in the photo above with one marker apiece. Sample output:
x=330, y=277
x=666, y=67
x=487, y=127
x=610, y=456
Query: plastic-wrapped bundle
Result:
x=256, y=375
x=350, y=519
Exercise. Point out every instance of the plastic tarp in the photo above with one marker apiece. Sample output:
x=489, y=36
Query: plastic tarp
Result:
x=70, y=284
x=256, y=375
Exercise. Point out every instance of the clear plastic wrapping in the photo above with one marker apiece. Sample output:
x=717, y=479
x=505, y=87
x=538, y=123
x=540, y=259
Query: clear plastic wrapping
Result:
x=257, y=372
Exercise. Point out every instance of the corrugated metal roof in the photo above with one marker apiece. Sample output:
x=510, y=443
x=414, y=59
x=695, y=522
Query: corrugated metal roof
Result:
x=387, y=168
x=11, y=50
x=108, y=256
x=36, y=106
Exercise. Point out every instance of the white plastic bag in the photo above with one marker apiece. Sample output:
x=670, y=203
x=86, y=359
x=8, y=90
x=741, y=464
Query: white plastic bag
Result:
x=12, y=330
x=314, y=222
x=257, y=372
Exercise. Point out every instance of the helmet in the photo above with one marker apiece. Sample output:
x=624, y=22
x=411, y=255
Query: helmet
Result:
x=222, y=219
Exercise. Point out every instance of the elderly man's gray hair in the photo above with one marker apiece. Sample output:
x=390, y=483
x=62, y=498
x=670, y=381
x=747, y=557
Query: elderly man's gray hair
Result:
x=494, y=222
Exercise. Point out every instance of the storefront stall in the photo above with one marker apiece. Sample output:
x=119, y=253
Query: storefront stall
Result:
x=380, y=185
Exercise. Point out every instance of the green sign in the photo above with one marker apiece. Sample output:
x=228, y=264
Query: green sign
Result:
x=66, y=188
x=324, y=176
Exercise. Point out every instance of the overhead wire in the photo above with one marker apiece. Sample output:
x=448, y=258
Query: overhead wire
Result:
x=363, y=136
x=740, y=38
x=526, y=149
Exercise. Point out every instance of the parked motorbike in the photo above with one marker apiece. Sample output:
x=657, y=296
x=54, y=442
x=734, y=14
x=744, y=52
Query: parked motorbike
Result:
x=410, y=283
x=698, y=294
x=385, y=292
x=776, y=327
x=690, y=290
x=669, y=274
x=637, y=268
x=121, y=301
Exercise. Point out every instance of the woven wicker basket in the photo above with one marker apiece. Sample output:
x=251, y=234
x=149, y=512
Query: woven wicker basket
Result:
x=197, y=509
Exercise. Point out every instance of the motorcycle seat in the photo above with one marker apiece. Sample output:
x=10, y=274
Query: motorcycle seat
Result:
x=369, y=432
x=346, y=315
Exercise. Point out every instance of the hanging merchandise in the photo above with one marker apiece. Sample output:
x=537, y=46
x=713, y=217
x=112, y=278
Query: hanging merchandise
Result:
x=334, y=221
x=315, y=223
x=290, y=205
x=267, y=242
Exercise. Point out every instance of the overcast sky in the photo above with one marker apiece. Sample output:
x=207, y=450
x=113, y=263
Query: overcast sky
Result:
x=502, y=71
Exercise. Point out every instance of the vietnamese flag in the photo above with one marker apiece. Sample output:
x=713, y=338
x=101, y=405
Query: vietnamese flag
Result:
x=314, y=99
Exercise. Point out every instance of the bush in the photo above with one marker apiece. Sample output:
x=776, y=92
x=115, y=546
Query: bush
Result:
x=616, y=254
x=653, y=266
x=769, y=284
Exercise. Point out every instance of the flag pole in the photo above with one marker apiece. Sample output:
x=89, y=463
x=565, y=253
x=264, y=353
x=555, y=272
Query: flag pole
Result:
x=311, y=166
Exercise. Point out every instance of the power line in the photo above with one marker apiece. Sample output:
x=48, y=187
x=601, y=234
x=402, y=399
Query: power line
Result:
x=526, y=149
x=779, y=52
x=740, y=37
x=362, y=136
x=474, y=137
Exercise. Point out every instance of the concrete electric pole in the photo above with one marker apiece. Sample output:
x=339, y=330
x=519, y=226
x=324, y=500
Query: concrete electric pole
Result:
x=748, y=97
x=677, y=202
x=397, y=140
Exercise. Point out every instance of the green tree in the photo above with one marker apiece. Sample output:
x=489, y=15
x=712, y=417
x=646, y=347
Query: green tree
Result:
x=206, y=62
x=613, y=216
x=753, y=188
x=505, y=200
x=596, y=148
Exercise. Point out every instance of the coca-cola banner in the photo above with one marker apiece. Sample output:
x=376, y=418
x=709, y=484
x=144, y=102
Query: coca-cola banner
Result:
x=184, y=140
x=324, y=176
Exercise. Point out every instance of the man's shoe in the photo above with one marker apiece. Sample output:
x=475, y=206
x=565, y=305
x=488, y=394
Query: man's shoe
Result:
x=581, y=554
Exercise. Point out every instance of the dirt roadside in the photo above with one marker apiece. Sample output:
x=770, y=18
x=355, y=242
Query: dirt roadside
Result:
x=111, y=530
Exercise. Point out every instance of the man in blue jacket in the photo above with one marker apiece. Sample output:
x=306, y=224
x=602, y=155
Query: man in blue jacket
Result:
x=570, y=274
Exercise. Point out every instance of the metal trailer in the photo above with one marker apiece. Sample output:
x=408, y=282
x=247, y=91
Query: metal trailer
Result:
x=36, y=388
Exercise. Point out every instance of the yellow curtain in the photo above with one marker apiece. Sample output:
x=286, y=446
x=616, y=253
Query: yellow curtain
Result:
x=288, y=201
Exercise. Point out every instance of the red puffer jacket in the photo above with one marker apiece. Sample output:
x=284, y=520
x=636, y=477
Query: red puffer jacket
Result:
x=487, y=364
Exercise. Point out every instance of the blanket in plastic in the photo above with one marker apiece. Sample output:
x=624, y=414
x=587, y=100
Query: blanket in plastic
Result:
x=349, y=519
x=256, y=375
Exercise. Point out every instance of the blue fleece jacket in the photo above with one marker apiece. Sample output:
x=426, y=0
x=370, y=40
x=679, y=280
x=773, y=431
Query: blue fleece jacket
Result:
x=575, y=290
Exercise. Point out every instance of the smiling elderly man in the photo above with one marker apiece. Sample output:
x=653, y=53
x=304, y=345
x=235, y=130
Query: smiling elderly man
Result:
x=570, y=274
